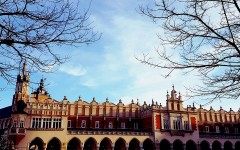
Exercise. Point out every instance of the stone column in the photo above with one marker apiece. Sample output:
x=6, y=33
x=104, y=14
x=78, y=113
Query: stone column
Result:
x=157, y=146
x=171, y=146
x=210, y=146
x=64, y=146
x=81, y=146
x=44, y=146
x=184, y=146
x=198, y=146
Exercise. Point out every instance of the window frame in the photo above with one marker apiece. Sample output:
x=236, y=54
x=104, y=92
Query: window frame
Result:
x=83, y=124
x=110, y=125
x=69, y=124
x=97, y=124
x=207, y=129
x=217, y=129
x=123, y=125
x=21, y=124
x=135, y=125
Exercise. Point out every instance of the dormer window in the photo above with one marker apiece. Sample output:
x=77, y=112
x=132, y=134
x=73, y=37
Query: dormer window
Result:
x=123, y=125
x=110, y=125
x=206, y=128
x=236, y=130
x=135, y=125
x=14, y=124
x=96, y=124
x=226, y=130
x=83, y=124
x=177, y=123
x=217, y=129
x=21, y=124
x=69, y=124
x=186, y=125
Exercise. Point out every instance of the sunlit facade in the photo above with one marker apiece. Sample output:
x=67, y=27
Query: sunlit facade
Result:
x=37, y=121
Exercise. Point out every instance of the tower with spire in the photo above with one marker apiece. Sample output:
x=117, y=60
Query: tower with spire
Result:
x=174, y=102
x=22, y=87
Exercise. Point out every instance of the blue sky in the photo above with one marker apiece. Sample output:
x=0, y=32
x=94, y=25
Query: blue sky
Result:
x=108, y=68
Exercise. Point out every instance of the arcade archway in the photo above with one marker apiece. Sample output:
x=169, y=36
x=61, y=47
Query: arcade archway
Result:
x=191, y=145
x=90, y=144
x=164, y=145
x=237, y=145
x=120, y=144
x=148, y=145
x=177, y=145
x=228, y=145
x=134, y=144
x=74, y=144
x=54, y=144
x=204, y=145
x=36, y=144
x=216, y=145
x=105, y=144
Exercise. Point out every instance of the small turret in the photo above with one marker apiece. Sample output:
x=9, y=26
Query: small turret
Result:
x=173, y=94
x=41, y=94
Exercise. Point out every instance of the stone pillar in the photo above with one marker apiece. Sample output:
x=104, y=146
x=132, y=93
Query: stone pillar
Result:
x=44, y=146
x=184, y=146
x=233, y=147
x=210, y=146
x=222, y=147
x=113, y=146
x=171, y=146
x=198, y=146
x=64, y=146
x=98, y=146
x=127, y=146
x=82, y=146
x=157, y=146
x=141, y=146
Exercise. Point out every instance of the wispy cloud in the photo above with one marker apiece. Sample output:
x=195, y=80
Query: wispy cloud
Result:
x=75, y=70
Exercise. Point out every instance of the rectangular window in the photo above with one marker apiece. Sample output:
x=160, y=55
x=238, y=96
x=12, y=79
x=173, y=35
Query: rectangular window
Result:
x=177, y=124
x=236, y=130
x=69, y=124
x=14, y=124
x=135, y=125
x=217, y=129
x=21, y=124
x=96, y=124
x=110, y=125
x=206, y=128
x=165, y=124
x=123, y=125
x=57, y=122
x=36, y=123
x=226, y=130
x=83, y=124
x=186, y=125
x=47, y=123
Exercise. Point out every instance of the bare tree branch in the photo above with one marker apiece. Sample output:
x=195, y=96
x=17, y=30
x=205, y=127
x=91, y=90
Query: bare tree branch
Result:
x=205, y=37
x=30, y=28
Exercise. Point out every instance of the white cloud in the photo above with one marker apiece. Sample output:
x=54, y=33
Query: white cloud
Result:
x=90, y=83
x=74, y=70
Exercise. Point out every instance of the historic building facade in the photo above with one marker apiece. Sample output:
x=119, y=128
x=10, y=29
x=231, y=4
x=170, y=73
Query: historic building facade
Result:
x=37, y=121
